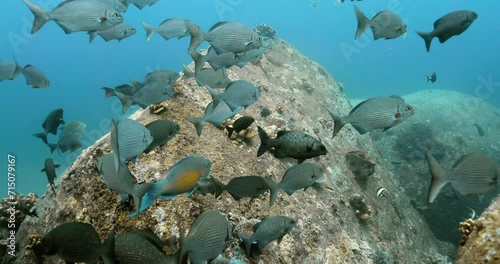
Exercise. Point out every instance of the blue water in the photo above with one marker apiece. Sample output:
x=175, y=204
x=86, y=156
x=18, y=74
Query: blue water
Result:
x=77, y=70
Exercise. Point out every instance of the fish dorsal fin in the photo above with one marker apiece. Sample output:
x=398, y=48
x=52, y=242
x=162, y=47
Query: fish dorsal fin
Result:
x=380, y=13
x=360, y=105
x=282, y=133
x=397, y=97
x=28, y=66
x=463, y=160
x=218, y=24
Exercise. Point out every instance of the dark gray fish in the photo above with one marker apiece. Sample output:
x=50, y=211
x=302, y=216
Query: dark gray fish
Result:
x=217, y=61
x=51, y=123
x=118, y=32
x=9, y=69
x=240, y=124
x=299, y=176
x=291, y=144
x=119, y=180
x=238, y=93
x=69, y=137
x=246, y=187
x=209, y=185
x=170, y=28
x=267, y=230
x=27, y=211
x=125, y=89
x=35, y=77
x=208, y=76
x=150, y=93
x=254, y=54
x=374, y=113
x=226, y=37
x=73, y=16
x=129, y=139
x=480, y=130
x=162, y=131
x=474, y=173
x=137, y=248
x=215, y=113
x=431, y=77
x=78, y=242
x=50, y=171
x=385, y=24
x=206, y=238
x=451, y=24
x=162, y=76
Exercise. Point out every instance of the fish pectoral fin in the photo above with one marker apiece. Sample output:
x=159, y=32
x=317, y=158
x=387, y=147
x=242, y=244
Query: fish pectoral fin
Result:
x=387, y=128
x=248, y=42
x=102, y=19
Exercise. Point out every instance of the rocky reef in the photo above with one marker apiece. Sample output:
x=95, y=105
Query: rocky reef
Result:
x=328, y=229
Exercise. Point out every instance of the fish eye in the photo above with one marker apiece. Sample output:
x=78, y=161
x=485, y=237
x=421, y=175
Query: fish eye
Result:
x=259, y=39
x=408, y=108
x=322, y=147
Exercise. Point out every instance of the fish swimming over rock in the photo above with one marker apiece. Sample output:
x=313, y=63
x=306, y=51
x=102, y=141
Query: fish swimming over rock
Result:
x=480, y=130
x=50, y=171
x=206, y=238
x=216, y=61
x=180, y=178
x=374, y=113
x=150, y=93
x=118, y=32
x=162, y=131
x=136, y=248
x=291, y=144
x=125, y=89
x=51, y=123
x=385, y=24
x=240, y=124
x=238, y=93
x=78, y=242
x=432, y=78
x=215, y=113
x=247, y=187
x=299, y=176
x=73, y=16
x=128, y=139
x=474, y=173
x=69, y=137
x=267, y=230
x=164, y=76
x=9, y=69
x=226, y=37
x=168, y=29
x=451, y=24
x=35, y=77
x=208, y=76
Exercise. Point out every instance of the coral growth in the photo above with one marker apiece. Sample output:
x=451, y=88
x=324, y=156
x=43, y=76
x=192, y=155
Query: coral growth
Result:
x=14, y=209
x=158, y=108
x=379, y=256
x=266, y=30
x=361, y=165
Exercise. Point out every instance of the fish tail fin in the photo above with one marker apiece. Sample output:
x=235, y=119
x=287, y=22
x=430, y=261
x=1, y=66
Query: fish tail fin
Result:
x=182, y=244
x=53, y=190
x=41, y=16
x=125, y=99
x=149, y=31
x=187, y=71
x=108, y=254
x=363, y=22
x=197, y=36
x=113, y=135
x=219, y=187
x=338, y=122
x=264, y=142
x=198, y=123
x=92, y=35
x=42, y=136
x=137, y=193
x=273, y=189
x=18, y=69
x=437, y=173
x=213, y=93
x=427, y=78
x=247, y=241
x=427, y=38
x=108, y=92
x=53, y=147
x=230, y=131
x=150, y=194
x=198, y=61
x=136, y=84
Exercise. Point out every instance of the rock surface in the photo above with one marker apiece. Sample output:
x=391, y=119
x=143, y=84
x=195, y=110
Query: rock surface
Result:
x=294, y=88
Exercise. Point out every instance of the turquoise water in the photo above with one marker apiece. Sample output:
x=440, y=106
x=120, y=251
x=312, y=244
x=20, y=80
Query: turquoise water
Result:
x=77, y=70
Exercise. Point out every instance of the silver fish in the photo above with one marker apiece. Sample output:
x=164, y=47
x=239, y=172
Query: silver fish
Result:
x=165, y=76
x=474, y=173
x=451, y=24
x=385, y=24
x=150, y=93
x=141, y=3
x=226, y=37
x=207, y=237
x=170, y=28
x=238, y=93
x=118, y=32
x=77, y=15
x=215, y=113
x=35, y=77
x=124, y=89
x=374, y=113
x=9, y=69
x=129, y=139
x=208, y=76
x=216, y=61
x=131, y=248
x=69, y=137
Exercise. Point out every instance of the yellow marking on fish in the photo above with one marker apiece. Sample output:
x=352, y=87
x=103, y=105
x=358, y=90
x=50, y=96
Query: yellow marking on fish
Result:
x=188, y=180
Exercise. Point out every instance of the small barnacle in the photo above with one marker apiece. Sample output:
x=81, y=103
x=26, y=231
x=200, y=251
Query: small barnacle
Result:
x=158, y=108
x=280, y=108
